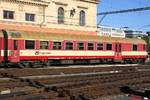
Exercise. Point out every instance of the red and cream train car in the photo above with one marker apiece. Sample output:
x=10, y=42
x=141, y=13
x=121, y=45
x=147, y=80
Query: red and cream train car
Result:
x=26, y=48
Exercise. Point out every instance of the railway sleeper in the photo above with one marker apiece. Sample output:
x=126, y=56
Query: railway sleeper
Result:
x=39, y=85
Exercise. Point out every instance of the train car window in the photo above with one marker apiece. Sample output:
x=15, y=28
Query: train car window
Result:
x=120, y=47
x=116, y=47
x=99, y=46
x=15, y=45
x=90, y=46
x=57, y=46
x=43, y=44
x=144, y=47
x=80, y=46
x=29, y=44
x=69, y=46
x=108, y=46
x=134, y=48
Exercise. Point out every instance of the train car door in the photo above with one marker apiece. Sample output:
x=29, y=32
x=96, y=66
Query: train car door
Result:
x=15, y=54
x=118, y=55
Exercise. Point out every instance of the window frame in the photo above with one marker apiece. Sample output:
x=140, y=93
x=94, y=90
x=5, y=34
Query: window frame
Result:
x=66, y=45
x=101, y=46
x=47, y=47
x=88, y=45
x=133, y=47
x=57, y=45
x=82, y=18
x=144, y=47
x=7, y=14
x=29, y=48
x=15, y=44
x=61, y=15
x=29, y=17
x=107, y=46
x=80, y=46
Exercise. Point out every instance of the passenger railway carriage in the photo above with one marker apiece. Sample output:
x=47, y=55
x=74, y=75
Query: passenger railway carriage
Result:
x=29, y=48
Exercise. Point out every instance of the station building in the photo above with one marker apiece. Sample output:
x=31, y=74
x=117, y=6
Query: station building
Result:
x=134, y=33
x=61, y=16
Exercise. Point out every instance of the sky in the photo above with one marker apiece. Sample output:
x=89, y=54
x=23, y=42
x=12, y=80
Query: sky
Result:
x=133, y=20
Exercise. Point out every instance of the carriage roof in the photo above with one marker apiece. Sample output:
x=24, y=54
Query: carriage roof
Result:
x=63, y=36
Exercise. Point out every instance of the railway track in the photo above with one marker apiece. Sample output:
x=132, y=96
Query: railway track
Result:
x=70, y=70
x=72, y=83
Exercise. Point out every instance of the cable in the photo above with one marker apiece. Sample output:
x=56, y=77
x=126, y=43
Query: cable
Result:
x=124, y=11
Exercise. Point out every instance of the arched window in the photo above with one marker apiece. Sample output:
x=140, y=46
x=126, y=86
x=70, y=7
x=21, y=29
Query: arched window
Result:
x=82, y=18
x=60, y=15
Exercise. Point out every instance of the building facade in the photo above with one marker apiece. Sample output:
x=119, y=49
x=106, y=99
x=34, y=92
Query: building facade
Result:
x=54, y=15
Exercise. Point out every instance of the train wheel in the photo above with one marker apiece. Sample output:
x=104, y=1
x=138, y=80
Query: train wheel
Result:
x=7, y=65
x=21, y=65
x=141, y=61
x=27, y=64
x=125, y=61
x=47, y=63
x=128, y=61
x=36, y=64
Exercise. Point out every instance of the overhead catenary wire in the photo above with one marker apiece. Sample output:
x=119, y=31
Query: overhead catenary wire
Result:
x=124, y=11
x=145, y=26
